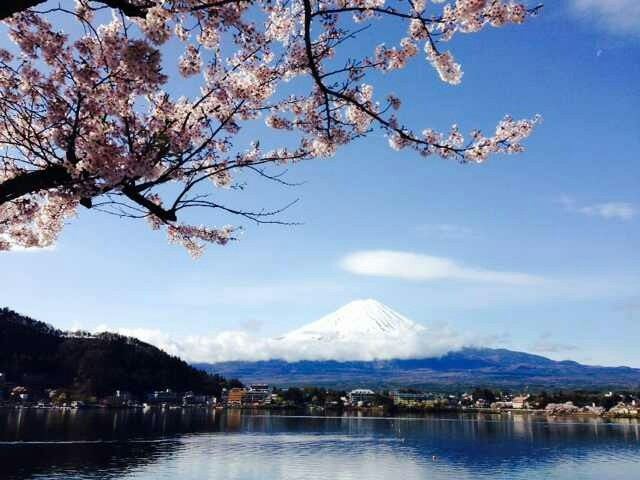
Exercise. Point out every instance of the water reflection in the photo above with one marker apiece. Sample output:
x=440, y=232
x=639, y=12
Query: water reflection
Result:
x=196, y=444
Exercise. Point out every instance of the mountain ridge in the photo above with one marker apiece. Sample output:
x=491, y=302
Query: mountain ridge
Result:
x=468, y=367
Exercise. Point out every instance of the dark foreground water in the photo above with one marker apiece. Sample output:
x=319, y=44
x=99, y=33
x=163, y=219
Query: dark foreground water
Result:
x=202, y=445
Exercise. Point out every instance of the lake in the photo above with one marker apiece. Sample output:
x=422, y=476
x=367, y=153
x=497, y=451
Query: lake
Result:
x=202, y=445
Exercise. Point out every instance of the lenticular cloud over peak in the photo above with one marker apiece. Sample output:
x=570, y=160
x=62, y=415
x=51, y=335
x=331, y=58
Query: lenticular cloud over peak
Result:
x=362, y=330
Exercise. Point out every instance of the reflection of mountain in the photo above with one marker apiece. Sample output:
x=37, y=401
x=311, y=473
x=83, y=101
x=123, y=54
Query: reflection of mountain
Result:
x=382, y=347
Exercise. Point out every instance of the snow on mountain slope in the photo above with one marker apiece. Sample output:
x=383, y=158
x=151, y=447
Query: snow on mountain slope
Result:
x=363, y=330
x=368, y=318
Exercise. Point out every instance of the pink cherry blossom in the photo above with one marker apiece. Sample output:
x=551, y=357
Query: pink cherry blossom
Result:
x=98, y=119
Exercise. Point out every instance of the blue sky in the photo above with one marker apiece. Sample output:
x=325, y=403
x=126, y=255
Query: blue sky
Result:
x=563, y=218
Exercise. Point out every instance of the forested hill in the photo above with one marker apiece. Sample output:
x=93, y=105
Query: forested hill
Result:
x=34, y=353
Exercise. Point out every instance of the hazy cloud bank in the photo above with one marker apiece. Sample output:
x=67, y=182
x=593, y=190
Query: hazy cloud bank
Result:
x=241, y=345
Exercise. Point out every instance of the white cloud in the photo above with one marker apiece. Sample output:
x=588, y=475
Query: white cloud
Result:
x=607, y=210
x=420, y=267
x=241, y=345
x=618, y=16
x=547, y=344
x=616, y=210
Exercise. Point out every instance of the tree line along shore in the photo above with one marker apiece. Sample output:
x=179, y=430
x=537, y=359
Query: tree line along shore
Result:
x=316, y=400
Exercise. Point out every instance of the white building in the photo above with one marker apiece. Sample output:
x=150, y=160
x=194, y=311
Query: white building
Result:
x=408, y=397
x=361, y=395
x=521, y=401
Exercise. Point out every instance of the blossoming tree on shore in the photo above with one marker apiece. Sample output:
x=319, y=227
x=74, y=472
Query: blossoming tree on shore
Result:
x=87, y=118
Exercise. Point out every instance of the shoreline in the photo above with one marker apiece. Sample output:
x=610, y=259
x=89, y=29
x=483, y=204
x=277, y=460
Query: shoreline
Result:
x=307, y=411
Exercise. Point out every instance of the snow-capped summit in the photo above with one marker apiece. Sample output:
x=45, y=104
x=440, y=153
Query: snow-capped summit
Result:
x=362, y=330
x=356, y=321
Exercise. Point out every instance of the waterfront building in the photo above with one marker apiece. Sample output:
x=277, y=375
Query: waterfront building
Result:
x=406, y=398
x=190, y=398
x=257, y=393
x=123, y=395
x=466, y=400
x=520, y=401
x=120, y=398
x=235, y=397
x=162, y=396
x=361, y=396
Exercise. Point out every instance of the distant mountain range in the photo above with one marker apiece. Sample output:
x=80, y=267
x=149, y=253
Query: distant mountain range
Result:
x=384, y=348
x=467, y=367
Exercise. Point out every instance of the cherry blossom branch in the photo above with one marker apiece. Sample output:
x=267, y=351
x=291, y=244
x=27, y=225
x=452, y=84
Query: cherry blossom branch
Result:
x=88, y=118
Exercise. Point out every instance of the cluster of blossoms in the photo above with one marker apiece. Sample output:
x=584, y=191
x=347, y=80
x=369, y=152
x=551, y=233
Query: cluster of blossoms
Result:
x=34, y=222
x=194, y=238
x=507, y=139
x=89, y=119
x=282, y=22
x=190, y=62
x=356, y=114
x=445, y=65
x=395, y=58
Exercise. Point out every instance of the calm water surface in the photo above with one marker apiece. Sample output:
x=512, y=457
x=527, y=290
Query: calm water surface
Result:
x=202, y=445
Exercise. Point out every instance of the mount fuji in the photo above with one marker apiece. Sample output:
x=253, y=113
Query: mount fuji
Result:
x=363, y=330
x=360, y=318
x=368, y=343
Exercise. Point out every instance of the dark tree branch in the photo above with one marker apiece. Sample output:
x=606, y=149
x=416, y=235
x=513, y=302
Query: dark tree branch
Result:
x=34, y=181
x=128, y=8
x=57, y=176
x=132, y=194
x=9, y=7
